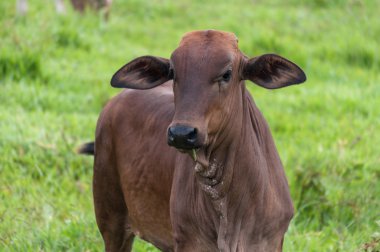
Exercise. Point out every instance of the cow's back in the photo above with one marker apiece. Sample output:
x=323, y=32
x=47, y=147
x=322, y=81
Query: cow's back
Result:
x=131, y=135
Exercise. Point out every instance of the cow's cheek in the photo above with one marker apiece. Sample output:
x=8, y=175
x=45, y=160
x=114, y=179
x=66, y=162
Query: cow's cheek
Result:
x=215, y=120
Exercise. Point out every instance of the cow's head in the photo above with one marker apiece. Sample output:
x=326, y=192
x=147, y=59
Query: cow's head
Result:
x=208, y=71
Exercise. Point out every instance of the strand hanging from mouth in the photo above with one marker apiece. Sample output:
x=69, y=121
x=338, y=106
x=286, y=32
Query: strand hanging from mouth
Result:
x=194, y=155
x=200, y=158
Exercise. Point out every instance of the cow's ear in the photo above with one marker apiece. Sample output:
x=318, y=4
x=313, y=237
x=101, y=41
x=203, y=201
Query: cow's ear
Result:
x=142, y=73
x=272, y=71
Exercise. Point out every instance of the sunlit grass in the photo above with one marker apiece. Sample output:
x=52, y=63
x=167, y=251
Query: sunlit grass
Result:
x=54, y=80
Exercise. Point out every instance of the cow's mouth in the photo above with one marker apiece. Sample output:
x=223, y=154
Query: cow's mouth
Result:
x=191, y=152
x=200, y=157
x=197, y=154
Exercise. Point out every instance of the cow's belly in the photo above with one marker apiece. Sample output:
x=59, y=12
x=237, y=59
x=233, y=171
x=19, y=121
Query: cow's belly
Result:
x=148, y=209
x=146, y=178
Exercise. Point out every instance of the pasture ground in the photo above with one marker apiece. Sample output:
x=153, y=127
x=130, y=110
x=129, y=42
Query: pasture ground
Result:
x=54, y=80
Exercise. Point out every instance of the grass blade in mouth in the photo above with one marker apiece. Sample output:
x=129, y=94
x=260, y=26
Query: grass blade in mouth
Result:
x=194, y=154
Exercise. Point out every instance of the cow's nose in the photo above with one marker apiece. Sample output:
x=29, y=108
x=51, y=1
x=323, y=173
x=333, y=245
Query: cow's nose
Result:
x=182, y=137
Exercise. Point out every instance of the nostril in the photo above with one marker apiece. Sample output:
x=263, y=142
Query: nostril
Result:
x=192, y=136
x=170, y=132
x=170, y=135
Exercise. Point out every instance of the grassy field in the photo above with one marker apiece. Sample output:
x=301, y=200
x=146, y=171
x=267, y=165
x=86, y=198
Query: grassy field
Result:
x=54, y=80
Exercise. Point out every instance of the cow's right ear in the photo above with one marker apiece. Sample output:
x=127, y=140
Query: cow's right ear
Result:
x=142, y=73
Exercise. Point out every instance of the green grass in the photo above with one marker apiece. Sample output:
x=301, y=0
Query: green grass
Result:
x=54, y=80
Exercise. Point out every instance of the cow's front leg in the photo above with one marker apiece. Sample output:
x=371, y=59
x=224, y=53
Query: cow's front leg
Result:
x=110, y=209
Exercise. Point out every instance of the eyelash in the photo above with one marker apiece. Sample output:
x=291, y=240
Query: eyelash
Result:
x=226, y=77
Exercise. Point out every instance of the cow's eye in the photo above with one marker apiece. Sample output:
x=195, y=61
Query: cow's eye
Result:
x=226, y=77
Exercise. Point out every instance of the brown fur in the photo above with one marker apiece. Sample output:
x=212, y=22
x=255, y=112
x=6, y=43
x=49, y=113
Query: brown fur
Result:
x=235, y=196
x=81, y=5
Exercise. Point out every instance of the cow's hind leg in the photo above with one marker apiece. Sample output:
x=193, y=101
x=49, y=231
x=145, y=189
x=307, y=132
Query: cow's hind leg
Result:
x=110, y=209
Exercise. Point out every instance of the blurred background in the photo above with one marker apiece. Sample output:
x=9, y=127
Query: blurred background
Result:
x=55, y=67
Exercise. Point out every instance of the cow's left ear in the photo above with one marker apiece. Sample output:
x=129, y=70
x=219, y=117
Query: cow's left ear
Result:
x=272, y=71
x=142, y=73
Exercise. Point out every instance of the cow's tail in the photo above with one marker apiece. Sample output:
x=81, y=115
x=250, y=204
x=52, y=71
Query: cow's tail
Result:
x=87, y=149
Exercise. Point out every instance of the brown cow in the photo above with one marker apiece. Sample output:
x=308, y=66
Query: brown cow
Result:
x=104, y=5
x=223, y=187
x=79, y=5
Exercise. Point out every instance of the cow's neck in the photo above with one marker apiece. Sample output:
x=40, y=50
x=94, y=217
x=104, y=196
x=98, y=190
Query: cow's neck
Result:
x=214, y=165
x=234, y=168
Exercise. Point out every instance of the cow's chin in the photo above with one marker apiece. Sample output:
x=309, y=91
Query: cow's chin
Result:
x=189, y=151
x=188, y=148
x=183, y=150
